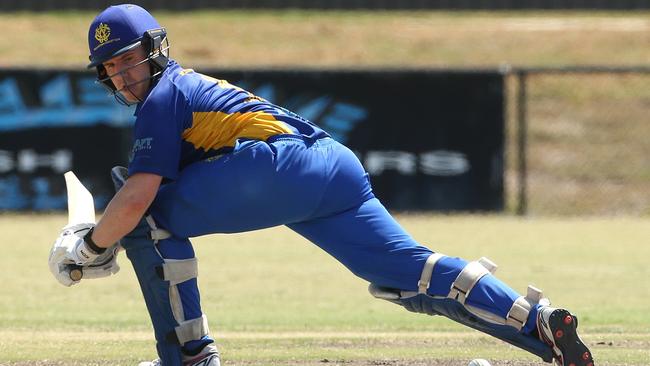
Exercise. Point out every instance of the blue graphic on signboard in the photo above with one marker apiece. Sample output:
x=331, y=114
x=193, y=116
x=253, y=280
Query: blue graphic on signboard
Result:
x=57, y=105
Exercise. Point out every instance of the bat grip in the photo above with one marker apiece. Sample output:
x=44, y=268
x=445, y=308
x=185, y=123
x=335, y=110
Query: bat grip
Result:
x=75, y=272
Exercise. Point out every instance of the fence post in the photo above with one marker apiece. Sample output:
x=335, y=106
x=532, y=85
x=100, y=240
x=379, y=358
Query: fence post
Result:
x=522, y=144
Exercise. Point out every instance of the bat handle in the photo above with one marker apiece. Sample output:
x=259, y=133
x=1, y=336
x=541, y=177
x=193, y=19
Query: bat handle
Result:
x=75, y=272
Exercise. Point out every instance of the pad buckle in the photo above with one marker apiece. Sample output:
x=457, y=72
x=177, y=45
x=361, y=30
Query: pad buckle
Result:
x=469, y=277
x=155, y=233
x=427, y=272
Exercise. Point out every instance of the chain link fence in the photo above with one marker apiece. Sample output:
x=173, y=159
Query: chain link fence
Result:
x=579, y=141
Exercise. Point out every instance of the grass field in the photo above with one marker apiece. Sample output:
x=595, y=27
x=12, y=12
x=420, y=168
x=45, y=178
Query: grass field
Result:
x=274, y=299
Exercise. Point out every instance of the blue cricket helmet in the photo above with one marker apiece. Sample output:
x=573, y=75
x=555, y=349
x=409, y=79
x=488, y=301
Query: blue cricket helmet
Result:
x=117, y=30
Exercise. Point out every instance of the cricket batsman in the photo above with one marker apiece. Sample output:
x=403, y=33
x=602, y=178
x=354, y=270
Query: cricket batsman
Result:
x=209, y=157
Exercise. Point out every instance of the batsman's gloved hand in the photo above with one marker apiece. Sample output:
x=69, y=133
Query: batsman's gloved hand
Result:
x=70, y=248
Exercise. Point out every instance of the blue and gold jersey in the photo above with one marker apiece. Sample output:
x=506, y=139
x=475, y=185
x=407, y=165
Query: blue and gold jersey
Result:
x=188, y=117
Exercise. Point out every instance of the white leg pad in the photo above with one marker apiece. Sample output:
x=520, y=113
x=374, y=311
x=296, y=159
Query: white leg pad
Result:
x=454, y=307
x=518, y=314
x=192, y=329
x=462, y=286
x=468, y=277
x=179, y=270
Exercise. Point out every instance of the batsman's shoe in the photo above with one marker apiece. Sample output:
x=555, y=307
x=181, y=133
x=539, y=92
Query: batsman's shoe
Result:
x=558, y=328
x=209, y=356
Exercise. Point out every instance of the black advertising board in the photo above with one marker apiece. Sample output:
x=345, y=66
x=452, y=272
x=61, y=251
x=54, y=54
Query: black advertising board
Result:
x=41, y=157
x=431, y=140
x=52, y=122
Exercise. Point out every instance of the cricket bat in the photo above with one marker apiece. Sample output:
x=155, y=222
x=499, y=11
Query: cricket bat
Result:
x=81, y=209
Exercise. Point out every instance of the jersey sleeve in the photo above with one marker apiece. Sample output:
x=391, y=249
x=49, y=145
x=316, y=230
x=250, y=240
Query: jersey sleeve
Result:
x=157, y=134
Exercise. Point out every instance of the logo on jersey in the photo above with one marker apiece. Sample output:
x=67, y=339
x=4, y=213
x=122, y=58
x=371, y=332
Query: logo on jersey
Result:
x=142, y=144
x=102, y=32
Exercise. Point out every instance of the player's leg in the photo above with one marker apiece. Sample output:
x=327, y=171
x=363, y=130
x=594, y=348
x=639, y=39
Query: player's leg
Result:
x=166, y=269
x=368, y=241
x=372, y=245
x=265, y=184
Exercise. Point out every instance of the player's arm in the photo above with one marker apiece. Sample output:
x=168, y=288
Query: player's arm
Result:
x=126, y=208
x=155, y=154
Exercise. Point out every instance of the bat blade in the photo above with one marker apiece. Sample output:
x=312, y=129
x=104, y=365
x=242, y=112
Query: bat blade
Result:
x=81, y=206
x=81, y=210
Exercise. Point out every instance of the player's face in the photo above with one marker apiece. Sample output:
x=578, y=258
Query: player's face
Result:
x=130, y=74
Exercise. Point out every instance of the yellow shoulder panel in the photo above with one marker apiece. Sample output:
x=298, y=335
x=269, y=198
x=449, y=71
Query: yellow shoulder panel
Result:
x=214, y=130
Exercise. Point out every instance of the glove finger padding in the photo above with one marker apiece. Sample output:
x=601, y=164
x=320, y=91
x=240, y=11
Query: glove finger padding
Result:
x=77, y=229
x=59, y=266
x=104, y=265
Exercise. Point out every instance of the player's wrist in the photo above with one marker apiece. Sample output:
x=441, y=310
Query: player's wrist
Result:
x=91, y=245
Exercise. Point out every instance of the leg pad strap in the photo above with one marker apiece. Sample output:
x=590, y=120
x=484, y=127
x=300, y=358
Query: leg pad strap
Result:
x=178, y=270
x=189, y=330
x=469, y=277
x=518, y=314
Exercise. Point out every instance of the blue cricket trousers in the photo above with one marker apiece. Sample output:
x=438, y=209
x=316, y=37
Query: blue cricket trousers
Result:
x=319, y=189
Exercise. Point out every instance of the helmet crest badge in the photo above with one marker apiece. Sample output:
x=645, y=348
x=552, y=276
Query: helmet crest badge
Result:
x=102, y=32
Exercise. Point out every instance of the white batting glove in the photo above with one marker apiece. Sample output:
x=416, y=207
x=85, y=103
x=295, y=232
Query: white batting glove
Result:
x=70, y=248
x=77, y=249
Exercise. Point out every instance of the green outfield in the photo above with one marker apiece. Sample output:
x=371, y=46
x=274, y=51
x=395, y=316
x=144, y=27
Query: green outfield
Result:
x=274, y=299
